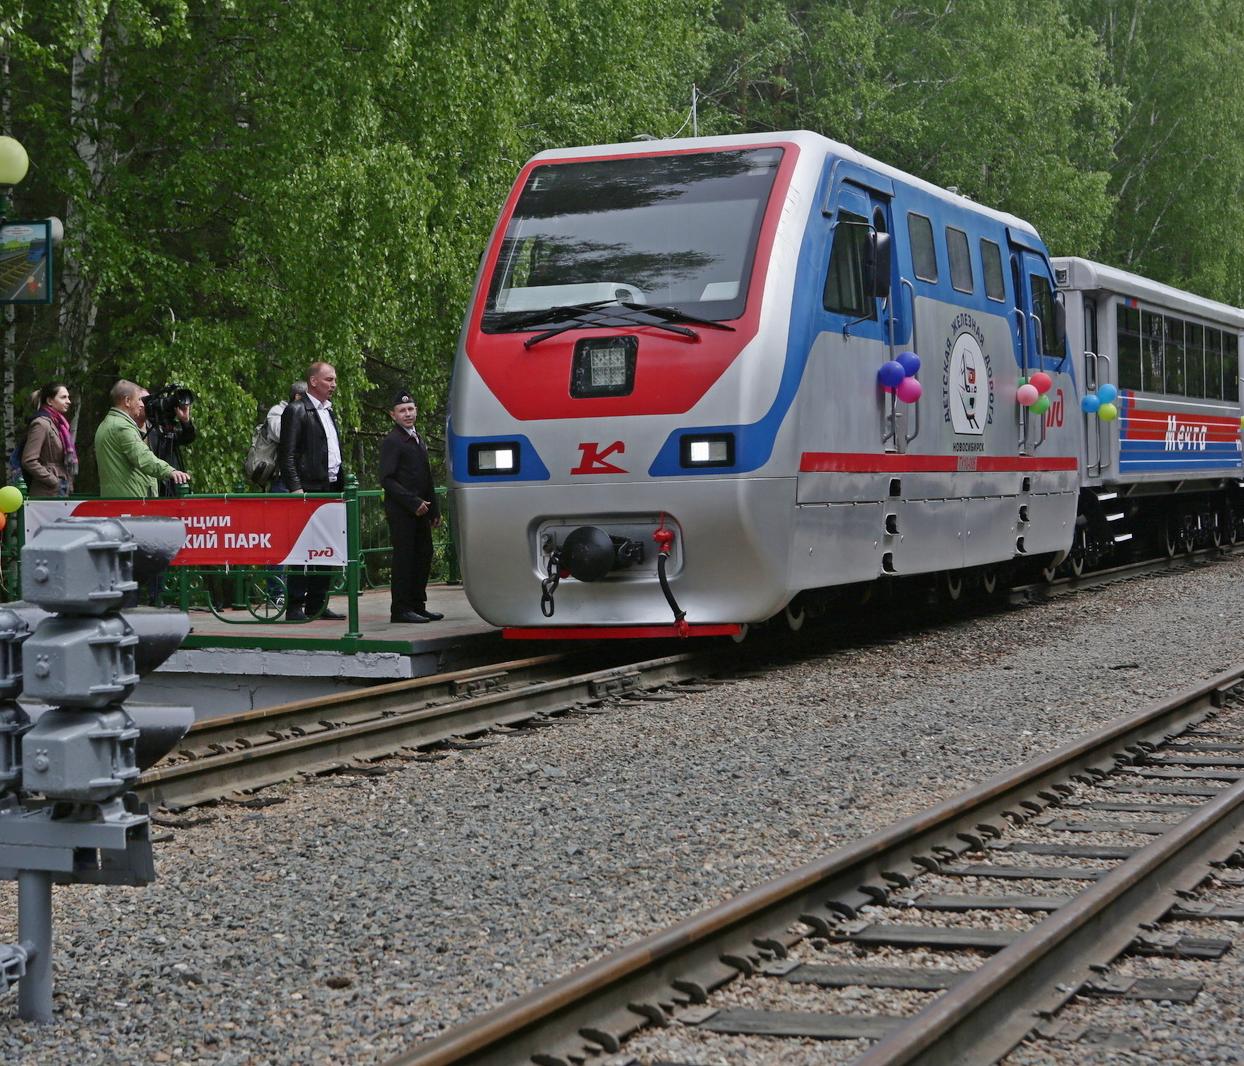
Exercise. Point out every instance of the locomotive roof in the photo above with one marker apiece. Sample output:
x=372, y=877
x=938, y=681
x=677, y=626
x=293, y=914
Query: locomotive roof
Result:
x=1084, y=274
x=803, y=138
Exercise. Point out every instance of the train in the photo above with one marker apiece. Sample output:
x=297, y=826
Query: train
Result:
x=707, y=383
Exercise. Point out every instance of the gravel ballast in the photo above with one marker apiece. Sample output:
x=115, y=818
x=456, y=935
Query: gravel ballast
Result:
x=365, y=913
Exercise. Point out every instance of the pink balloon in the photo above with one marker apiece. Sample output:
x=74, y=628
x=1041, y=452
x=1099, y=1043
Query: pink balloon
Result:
x=909, y=390
x=1026, y=395
x=1042, y=381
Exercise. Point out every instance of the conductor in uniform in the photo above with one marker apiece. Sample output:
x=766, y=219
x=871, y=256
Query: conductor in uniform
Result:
x=411, y=508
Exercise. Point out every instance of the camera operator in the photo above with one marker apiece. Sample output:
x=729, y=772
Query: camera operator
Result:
x=169, y=428
x=127, y=467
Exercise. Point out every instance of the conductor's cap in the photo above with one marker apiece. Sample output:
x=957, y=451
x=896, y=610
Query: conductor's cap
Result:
x=400, y=397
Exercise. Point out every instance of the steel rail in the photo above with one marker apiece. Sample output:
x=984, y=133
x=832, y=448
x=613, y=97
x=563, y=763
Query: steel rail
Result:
x=589, y=1011
x=1041, y=591
x=199, y=780
x=984, y=1017
x=210, y=736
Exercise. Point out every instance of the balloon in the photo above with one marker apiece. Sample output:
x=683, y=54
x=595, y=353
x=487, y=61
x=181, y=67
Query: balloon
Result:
x=10, y=498
x=1107, y=393
x=1107, y=412
x=1089, y=403
x=4, y=520
x=1022, y=380
x=909, y=390
x=1026, y=395
x=1042, y=381
x=1041, y=406
x=891, y=373
x=910, y=362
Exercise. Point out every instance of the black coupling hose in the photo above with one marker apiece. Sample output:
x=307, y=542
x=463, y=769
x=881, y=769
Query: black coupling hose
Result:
x=679, y=613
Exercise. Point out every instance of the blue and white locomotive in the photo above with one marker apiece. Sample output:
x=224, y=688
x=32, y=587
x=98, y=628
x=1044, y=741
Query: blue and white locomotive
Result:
x=702, y=380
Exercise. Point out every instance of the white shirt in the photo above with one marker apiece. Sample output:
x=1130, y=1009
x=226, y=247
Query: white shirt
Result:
x=330, y=431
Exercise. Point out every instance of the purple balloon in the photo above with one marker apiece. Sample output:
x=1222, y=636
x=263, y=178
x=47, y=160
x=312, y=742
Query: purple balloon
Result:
x=891, y=374
x=909, y=390
x=910, y=362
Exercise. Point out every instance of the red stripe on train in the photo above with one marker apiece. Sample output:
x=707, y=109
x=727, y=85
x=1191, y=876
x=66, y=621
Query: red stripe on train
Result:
x=616, y=632
x=1147, y=423
x=895, y=463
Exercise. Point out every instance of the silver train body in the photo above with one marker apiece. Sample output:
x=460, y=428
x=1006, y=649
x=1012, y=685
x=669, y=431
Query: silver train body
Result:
x=669, y=415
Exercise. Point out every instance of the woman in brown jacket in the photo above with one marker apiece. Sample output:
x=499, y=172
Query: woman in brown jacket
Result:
x=49, y=456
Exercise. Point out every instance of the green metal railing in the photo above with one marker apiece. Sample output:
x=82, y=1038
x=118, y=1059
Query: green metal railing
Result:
x=258, y=591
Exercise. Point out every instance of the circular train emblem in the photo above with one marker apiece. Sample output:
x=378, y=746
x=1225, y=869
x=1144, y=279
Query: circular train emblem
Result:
x=967, y=378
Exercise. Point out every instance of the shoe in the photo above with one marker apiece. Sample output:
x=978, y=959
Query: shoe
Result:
x=407, y=617
x=295, y=614
x=429, y=616
x=330, y=615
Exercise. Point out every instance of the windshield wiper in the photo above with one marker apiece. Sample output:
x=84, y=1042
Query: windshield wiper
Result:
x=674, y=314
x=666, y=317
x=516, y=320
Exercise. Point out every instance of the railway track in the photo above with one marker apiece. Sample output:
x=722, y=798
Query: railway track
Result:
x=220, y=756
x=254, y=749
x=1111, y=837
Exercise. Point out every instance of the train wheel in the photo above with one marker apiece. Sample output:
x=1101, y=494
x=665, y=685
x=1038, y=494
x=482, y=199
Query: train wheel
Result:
x=1172, y=539
x=1048, y=573
x=741, y=635
x=989, y=580
x=795, y=615
x=1076, y=563
x=1215, y=533
x=952, y=585
x=1187, y=538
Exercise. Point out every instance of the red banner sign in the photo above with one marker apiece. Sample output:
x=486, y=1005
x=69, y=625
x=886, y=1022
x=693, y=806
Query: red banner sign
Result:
x=291, y=530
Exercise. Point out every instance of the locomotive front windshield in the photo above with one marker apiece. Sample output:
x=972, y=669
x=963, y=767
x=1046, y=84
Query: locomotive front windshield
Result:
x=671, y=230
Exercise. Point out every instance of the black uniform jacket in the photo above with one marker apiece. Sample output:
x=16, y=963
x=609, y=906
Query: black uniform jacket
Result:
x=303, y=451
x=405, y=474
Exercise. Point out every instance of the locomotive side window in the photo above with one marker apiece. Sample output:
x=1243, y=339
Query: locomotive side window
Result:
x=1131, y=375
x=1230, y=367
x=923, y=254
x=1194, y=360
x=1174, y=347
x=991, y=264
x=845, y=291
x=1043, y=308
x=960, y=259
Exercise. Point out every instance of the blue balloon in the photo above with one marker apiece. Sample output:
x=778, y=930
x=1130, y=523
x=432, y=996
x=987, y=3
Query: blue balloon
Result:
x=1107, y=393
x=891, y=374
x=1090, y=403
x=910, y=362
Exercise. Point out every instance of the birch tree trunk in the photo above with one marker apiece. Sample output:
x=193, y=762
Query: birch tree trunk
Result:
x=10, y=312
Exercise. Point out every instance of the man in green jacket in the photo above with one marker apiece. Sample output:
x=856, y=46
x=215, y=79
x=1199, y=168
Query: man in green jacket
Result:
x=127, y=467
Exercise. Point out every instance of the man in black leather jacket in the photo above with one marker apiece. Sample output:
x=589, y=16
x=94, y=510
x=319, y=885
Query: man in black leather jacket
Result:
x=310, y=461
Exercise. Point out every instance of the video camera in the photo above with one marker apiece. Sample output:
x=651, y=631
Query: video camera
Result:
x=162, y=404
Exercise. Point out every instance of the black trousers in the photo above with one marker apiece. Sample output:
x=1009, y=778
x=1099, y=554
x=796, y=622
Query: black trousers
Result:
x=411, y=538
x=310, y=590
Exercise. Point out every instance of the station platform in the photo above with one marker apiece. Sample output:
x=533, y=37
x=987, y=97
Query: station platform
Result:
x=225, y=666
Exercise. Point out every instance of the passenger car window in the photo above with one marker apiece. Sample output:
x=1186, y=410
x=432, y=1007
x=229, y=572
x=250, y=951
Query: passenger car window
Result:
x=991, y=264
x=960, y=259
x=1152, y=332
x=923, y=254
x=1230, y=366
x=1213, y=364
x=1128, y=322
x=1194, y=360
x=844, y=283
x=1174, y=335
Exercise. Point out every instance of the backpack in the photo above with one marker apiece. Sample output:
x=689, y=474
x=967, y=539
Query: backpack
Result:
x=260, y=465
x=15, y=456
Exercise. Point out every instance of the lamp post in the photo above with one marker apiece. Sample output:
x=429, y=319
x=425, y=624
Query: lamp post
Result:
x=14, y=162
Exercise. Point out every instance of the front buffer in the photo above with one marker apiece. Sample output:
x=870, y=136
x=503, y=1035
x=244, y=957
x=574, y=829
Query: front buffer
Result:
x=682, y=558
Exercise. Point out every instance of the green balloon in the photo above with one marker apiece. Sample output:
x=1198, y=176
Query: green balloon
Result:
x=10, y=498
x=1041, y=406
x=1107, y=412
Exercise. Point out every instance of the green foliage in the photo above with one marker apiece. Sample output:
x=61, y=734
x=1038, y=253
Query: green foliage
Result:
x=251, y=185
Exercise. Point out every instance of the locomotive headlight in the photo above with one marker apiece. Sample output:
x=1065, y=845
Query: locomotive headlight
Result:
x=493, y=459
x=716, y=449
